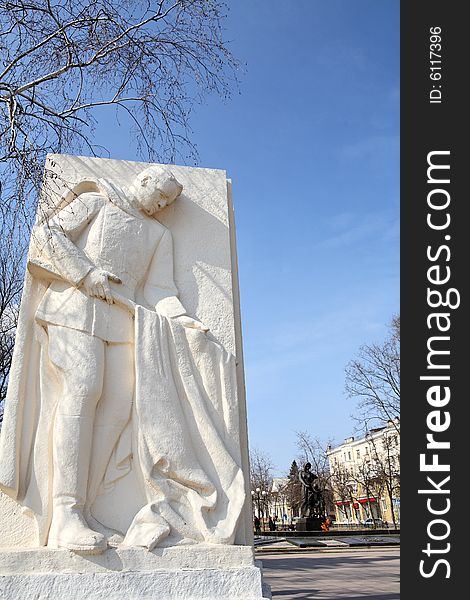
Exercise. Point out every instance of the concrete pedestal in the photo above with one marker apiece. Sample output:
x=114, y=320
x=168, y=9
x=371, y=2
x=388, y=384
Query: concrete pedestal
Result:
x=309, y=524
x=202, y=572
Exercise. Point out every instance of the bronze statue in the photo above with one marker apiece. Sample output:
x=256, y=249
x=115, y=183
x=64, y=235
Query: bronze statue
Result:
x=311, y=493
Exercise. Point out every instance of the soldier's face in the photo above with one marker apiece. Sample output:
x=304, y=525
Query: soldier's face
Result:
x=153, y=199
x=152, y=203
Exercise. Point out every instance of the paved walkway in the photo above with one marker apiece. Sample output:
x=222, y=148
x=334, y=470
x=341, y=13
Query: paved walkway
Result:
x=333, y=575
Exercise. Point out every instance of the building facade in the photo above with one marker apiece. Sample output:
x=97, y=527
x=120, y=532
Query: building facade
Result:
x=274, y=503
x=280, y=508
x=365, y=476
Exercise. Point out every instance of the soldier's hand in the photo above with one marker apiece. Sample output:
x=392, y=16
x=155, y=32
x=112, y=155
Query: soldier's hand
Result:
x=192, y=323
x=96, y=284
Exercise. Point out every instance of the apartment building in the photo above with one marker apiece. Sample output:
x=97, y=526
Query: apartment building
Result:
x=365, y=476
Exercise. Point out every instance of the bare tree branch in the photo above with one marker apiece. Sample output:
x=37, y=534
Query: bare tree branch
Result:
x=374, y=379
x=315, y=451
x=66, y=62
x=261, y=467
x=63, y=61
x=12, y=253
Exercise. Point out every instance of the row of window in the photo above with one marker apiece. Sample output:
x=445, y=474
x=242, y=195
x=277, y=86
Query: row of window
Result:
x=348, y=455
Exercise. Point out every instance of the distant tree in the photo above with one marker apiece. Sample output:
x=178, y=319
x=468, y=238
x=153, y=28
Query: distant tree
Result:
x=293, y=489
x=315, y=451
x=386, y=466
x=365, y=476
x=65, y=62
x=344, y=489
x=11, y=283
x=261, y=468
x=293, y=471
x=373, y=378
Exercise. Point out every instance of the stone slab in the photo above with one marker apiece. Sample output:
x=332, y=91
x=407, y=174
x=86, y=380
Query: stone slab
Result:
x=371, y=541
x=17, y=527
x=275, y=547
x=317, y=543
x=260, y=541
x=306, y=543
x=205, y=584
x=333, y=543
x=203, y=572
x=201, y=556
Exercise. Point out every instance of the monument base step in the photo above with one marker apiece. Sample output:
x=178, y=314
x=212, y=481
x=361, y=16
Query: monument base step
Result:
x=309, y=524
x=202, y=572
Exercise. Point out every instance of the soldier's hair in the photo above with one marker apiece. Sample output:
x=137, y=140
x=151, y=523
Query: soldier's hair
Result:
x=157, y=178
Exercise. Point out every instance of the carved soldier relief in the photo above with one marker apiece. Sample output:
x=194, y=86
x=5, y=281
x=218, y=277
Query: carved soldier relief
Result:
x=122, y=420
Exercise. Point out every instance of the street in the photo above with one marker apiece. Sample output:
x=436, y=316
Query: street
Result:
x=351, y=574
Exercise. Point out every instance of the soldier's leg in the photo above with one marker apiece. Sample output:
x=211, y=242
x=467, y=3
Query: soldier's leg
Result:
x=79, y=360
x=113, y=410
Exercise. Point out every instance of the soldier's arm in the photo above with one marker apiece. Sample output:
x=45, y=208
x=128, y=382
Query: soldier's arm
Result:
x=160, y=289
x=55, y=238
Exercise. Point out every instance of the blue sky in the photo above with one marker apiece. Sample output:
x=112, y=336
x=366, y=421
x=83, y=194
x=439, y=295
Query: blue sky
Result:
x=312, y=146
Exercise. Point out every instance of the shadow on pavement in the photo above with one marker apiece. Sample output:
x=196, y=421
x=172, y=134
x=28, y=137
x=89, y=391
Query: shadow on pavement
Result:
x=317, y=595
x=342, y=575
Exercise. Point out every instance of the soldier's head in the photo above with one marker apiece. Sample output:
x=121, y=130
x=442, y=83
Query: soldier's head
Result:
x=155, y=188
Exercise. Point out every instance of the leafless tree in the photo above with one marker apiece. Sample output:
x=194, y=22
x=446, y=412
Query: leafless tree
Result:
x=293, y=489
x=65, y=61
x=344, y=488
x=374, y=379
x=313, y=450
x=385, y=463
x=11, y=283
x=366, y=476
x=261, y=468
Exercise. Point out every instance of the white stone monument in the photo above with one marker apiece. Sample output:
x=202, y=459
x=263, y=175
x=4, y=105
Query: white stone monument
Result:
x=123, y=451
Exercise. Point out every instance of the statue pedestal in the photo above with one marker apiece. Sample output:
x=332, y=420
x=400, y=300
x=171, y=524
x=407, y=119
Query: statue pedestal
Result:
x=200, y=572
x=309, y=524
